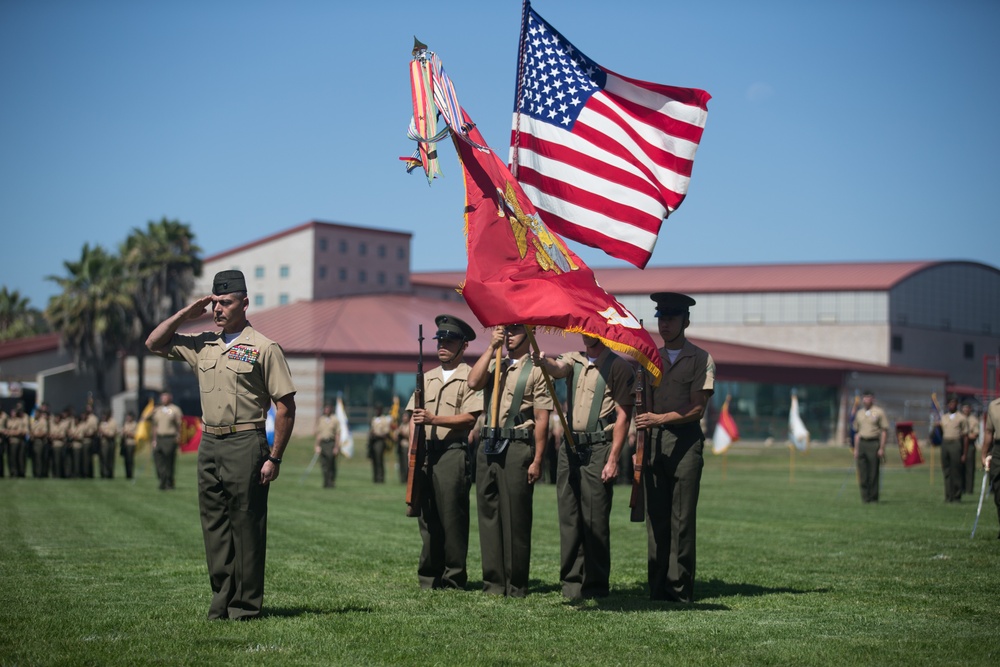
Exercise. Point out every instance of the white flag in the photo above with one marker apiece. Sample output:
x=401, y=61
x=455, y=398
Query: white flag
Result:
x=346, y=441
x=797, y=431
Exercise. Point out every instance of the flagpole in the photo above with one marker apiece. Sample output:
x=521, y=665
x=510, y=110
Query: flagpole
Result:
x=791, y=464
x=552, y=392
x=495, y=408
x=725, y=459
x=931, y=459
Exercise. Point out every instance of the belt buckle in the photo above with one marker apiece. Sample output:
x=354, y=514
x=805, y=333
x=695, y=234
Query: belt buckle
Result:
x=232, y=428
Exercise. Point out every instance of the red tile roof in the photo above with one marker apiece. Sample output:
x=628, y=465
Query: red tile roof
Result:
x=20, y=347
x=834, y=276
x=377, y=333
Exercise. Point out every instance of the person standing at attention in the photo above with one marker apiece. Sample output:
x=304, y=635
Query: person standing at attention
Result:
x=328, y=445
x=509, y=461
x=871, y=428
x=167, y=420
x=448, y=416
x=953, y=432
x=599, y=410
x=240, y=372
x=672, y=474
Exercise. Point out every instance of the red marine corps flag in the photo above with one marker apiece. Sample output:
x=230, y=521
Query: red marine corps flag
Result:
x=605, y=158
x=909, y=449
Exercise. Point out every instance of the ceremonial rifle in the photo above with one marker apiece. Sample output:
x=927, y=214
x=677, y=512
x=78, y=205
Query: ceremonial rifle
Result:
x=417, y=436
x=638, y=501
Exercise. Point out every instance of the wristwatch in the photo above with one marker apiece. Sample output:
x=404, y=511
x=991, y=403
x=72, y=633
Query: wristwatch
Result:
x=275, y=460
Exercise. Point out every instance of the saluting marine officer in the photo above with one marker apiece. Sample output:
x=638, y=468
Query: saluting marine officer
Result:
x=599, y=410
x=672, y=475
x=448, y=416
x=240, y=372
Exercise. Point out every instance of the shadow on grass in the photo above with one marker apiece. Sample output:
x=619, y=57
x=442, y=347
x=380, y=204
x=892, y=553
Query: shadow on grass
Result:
x=290, y=612
x=636, y=597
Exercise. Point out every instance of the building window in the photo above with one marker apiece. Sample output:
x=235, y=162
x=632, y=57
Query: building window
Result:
x=258, y=272
x=400, y=280
x=283, y=271
x=362, y=276
x=362, y=248
x=322, y=272
x=381, y=251
x=343, y=247
x=342, y=274
x=381, y=277
x=969, y=351
x=258, y=300
x=897, y=343
x=283, y=299
x=322, y=244
x=401, y=252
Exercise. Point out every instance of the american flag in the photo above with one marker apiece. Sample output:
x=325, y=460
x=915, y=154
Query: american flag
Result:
x=603, y=157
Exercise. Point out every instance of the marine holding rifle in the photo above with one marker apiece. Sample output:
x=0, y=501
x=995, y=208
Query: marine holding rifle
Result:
x=509, y=461
x=672, y=472
x=444, y=476
x=599, y=409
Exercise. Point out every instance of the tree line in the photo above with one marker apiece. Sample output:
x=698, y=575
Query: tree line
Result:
x=110, y=301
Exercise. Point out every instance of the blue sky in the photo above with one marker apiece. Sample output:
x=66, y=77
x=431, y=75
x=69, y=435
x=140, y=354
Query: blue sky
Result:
x=838, y=131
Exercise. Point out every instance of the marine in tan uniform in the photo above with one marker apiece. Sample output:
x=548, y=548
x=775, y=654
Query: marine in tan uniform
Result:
x=448, y=417
x=991, y=426
x=41, y=447
x=328, y=445
x=129, y=429
x=379, y=436
x=969, y=452
x=17, y=432
x=871, y=428
x=672, y=474
x=509, y=461
x=91, y=442
x=77, y=443
x=108, y=430
x=59, y=435
x=3, y=441
x=240, y=372
x=599, y=409
x=167, y=420
x=953, y=431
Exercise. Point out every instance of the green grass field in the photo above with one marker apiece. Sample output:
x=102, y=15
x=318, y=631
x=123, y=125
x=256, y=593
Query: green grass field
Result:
x=790, y=572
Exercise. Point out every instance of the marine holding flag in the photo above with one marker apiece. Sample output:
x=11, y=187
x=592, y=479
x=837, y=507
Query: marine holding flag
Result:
x=605, y=158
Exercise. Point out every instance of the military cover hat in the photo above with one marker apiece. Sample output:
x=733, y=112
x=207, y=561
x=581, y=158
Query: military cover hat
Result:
x=227, y=282
x=671, y=303
x=450, y=326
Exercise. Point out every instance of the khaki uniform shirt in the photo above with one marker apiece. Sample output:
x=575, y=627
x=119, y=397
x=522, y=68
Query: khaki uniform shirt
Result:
x=953, y=426
x=694, y=370
x=78, y=431
x=536, y=394
x=17, y=427
x=617, y=389
x=128, y=432
x=992, y=422
x=40, y=427
x=59, y=430
x=972, y=427
x=167, y=420
x=328, y=427
x=381, y=426
x=449, y=399
x=90, y=425
x=870, y=423
x=109, y=429
x=3, y=423
x=237, y=382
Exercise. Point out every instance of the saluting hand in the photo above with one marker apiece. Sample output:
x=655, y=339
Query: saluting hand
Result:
x=197, y=308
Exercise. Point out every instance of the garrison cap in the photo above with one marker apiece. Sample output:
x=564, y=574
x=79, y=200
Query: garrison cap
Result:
x=451, y=327
x=671, y=303
x=227, y=282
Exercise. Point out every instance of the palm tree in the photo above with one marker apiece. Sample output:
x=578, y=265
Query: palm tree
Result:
x=17, y=318
x=94, y=315
x=162, y=262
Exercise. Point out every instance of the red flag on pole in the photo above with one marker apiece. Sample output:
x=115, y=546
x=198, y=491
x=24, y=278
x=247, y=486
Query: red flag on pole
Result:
x=522, y=273
x=909, y=448
x=190, y=436
x=605, y=158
